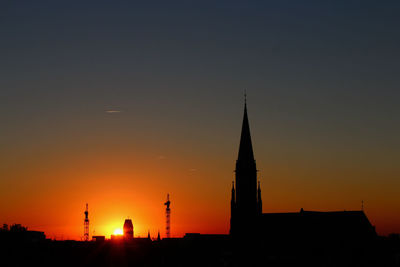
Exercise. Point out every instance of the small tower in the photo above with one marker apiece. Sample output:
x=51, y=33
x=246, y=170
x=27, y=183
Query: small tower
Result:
x=233, y=194
x=233, y=204
x=259, y=201
x=158, y=236
x=86, y=225
x=128, y=229
x=168, y=217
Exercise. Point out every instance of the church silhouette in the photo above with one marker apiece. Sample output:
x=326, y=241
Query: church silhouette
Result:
x=315, y=228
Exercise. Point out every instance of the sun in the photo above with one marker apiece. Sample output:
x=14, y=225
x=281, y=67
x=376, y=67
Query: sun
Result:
x=118, y=231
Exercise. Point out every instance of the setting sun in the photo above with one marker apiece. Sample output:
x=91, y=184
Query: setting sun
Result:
x=118, y=231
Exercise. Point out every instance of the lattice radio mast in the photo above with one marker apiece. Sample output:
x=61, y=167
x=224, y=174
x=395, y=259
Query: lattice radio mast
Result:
x=168, y=217
x=86, y=224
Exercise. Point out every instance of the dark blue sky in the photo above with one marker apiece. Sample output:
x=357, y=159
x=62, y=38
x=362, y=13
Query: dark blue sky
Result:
x=325, y=65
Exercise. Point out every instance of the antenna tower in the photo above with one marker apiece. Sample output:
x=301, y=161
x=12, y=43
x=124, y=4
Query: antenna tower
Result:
x=86, y=224
x=168, y=217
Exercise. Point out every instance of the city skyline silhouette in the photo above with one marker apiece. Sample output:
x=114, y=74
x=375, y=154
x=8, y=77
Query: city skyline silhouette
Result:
x=119, y=104
x=337, y=238
x=246, y=201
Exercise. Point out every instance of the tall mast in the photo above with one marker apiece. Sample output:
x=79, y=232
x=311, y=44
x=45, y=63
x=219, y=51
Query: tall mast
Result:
x=168, y=217
x=86, y=224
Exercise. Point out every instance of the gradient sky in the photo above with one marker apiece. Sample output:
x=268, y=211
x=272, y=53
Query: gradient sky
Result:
x=117, y=103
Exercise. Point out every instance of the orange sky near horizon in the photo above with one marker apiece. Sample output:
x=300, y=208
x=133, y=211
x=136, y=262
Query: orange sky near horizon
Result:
x=118, y=103
x=49, y=185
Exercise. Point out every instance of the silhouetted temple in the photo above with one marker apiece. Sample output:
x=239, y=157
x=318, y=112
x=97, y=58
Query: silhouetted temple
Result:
x=286, y=228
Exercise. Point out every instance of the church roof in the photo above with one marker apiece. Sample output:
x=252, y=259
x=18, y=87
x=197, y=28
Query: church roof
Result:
x=357, y=215
x=354, y=222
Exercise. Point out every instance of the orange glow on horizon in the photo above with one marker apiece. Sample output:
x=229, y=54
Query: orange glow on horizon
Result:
x=50, y=189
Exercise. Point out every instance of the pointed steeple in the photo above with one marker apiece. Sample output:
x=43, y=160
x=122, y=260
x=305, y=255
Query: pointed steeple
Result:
x=246, y=147
x=246, y=206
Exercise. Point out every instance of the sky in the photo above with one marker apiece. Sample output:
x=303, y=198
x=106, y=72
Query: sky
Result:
x=117, y=103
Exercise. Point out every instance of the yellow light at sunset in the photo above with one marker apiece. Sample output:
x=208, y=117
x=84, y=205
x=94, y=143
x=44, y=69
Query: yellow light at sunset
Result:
x=118, y=231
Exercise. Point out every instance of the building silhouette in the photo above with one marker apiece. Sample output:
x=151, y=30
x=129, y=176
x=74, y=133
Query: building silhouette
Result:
x=295, y=228
x=246, y=203
x=128, y=229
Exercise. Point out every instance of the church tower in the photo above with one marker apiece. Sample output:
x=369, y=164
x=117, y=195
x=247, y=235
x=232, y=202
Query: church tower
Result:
x=246, y=197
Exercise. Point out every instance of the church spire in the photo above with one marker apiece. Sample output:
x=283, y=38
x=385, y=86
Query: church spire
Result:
x=245, y=147
x=246, y=206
